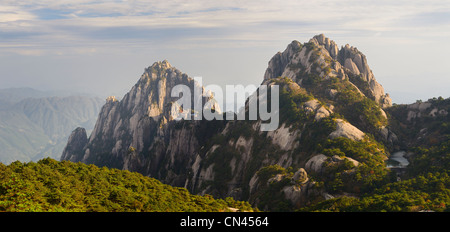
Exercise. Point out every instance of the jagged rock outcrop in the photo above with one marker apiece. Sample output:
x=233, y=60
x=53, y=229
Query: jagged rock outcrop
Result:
x=356, y=62
x=329, y=45
x=77, y=141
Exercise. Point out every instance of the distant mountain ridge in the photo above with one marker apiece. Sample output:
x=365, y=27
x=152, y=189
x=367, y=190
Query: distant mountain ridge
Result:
x=35, y=124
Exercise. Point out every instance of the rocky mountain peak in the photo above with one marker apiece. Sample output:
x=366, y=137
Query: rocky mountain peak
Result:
x=160, y=69
x=139, y=132
x=160, y=66
x=321, y=56
x=328, y=44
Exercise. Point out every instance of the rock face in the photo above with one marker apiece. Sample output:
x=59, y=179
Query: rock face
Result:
x=77, y=141
x=356, y=63
x=139, y=133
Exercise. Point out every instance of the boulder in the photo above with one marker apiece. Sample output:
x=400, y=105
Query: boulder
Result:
x=347, y=130
x=322, y=112
x=314, y=106
x=338, y=159
x=300, y=176
x=311, y=105
x=315, y=163
x=332, y=93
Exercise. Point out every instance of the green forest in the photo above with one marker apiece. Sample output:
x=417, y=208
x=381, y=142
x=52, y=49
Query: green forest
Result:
x=63, y=186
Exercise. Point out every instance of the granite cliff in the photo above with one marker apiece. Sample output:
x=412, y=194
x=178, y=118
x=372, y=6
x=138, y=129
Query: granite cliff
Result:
x=139, y=132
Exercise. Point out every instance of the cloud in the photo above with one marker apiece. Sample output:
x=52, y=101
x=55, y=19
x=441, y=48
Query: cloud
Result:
x=12, y=14
x=227, y=40
x=51, y=24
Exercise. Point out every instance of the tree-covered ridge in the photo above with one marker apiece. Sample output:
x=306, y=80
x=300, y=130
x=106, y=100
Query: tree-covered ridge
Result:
x=431, y=159
x=49, y=185
x=424, y=186
x=429, y=191
x=421, y=124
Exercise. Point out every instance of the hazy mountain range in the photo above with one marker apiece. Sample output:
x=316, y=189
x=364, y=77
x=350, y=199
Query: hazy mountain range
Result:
x=36, y=124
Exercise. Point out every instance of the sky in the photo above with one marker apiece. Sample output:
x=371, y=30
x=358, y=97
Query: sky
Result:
x=103, y=47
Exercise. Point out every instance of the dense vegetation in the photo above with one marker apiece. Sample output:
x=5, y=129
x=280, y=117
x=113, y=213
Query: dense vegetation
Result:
x=421, y=128
x=430, y=191
x=369, y=174
x=270, y=195
x=49, y=185
x=431, y=159
x=290, y=99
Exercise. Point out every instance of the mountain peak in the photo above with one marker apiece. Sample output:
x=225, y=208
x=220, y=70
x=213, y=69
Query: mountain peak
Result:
x=159, y=67
x=327, y=43
x=321, y=39
x=162, y=64
x=322, y=57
